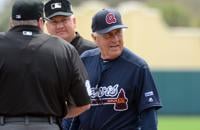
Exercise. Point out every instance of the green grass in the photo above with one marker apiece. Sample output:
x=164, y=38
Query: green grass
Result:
x=179, y=123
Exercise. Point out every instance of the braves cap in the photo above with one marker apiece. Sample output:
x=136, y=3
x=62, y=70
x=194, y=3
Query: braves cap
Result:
x=106, y=20
x=57, y=8
x=27, y=10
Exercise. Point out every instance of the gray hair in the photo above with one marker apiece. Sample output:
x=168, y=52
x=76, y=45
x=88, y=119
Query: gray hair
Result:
x=23, y=22
x=95, y=34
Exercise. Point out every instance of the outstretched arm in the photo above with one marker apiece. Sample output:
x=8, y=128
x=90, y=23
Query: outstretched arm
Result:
x=76, y=110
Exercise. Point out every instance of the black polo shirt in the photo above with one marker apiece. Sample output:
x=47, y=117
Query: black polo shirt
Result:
x=38, y=73
x=82, y=44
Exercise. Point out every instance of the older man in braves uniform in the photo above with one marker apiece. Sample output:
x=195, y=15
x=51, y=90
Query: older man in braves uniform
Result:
x=124, y=95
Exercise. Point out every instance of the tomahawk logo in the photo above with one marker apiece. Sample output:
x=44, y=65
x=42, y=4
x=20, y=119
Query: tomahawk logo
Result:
x=110, y=18
x=120, y=102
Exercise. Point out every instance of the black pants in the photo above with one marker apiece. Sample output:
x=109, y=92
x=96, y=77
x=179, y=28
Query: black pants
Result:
x=28, y=123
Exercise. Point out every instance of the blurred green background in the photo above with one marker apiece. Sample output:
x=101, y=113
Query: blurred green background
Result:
x=179, y=123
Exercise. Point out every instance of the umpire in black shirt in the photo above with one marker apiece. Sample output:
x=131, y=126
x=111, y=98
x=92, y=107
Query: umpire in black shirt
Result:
x=38, y=74
x=61, y=21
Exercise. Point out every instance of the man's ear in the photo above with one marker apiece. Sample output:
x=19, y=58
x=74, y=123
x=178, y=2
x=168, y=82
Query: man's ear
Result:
x=93, y=37
x=40, y=23
x=74, y=21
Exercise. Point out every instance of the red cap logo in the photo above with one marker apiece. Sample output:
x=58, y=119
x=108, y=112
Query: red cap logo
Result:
x=110, y=18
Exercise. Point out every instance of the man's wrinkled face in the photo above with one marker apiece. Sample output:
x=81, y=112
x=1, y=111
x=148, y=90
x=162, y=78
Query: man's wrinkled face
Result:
x=110, y=44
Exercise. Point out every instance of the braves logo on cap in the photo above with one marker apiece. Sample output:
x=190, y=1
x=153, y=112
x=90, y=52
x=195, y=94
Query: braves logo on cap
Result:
x=110, y=18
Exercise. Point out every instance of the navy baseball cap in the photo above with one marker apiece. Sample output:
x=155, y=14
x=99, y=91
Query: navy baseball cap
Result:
x=27, y=10
x=57, y=8
x=107, y=20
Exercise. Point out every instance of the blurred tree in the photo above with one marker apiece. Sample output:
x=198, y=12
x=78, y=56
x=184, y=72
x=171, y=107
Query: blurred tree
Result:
x=4, y=24
x=173, y=14
x=5, y=15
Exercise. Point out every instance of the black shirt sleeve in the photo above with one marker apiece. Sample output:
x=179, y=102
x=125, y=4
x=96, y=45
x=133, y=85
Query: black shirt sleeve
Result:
x=80, y=85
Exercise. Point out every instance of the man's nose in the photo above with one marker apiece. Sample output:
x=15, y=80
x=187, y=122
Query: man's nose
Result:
x=60, y=24
x=115, y=38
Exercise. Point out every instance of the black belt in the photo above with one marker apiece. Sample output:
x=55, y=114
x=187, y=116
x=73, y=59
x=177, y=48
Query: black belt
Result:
x=27, y=119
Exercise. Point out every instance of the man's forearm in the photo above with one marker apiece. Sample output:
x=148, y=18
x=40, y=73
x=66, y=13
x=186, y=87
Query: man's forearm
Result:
x=75, y=110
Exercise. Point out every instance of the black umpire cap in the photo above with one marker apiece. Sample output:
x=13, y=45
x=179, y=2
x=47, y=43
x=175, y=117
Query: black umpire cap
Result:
x=107, y=20
x=57, y=8
x=27, y=10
